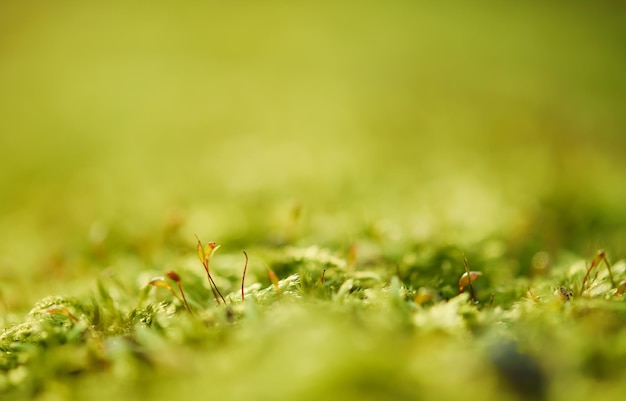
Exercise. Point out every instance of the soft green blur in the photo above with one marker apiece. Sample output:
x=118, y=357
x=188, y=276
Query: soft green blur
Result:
x=379, y=141
x=121, y=122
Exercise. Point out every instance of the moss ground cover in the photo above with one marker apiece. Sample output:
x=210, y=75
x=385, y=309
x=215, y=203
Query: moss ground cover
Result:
x=358, y=153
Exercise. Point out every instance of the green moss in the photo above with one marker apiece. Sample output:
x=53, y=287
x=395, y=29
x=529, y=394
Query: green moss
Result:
x=370, y=336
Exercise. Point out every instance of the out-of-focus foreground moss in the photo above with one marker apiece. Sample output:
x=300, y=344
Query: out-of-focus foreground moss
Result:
x=380, y=141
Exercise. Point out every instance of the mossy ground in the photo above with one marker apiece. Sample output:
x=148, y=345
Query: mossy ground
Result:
x=372, y=144
x=378, y=328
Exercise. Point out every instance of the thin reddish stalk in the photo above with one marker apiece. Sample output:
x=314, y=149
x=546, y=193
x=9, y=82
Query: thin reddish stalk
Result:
x=243, y=277
x=608, y=266
x=467, y=270
x=180, y=288
x=64, y=311
x=215, y=289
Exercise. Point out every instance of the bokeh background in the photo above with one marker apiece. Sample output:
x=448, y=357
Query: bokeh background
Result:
x=128, y=126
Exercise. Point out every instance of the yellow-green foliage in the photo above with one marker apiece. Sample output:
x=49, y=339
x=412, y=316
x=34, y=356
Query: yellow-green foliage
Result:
x=358, y=151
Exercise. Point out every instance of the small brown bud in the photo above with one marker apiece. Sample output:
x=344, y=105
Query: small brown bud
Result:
x=173, y=276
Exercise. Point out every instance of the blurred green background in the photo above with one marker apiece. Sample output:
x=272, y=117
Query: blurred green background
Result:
x=129, y=126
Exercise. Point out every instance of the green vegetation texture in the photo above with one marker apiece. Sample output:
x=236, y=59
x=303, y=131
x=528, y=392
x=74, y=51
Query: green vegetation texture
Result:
x=357, y=151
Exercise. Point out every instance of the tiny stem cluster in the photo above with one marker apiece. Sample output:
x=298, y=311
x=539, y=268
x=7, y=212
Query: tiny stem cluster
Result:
x=600, y=257
x=204, y=254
